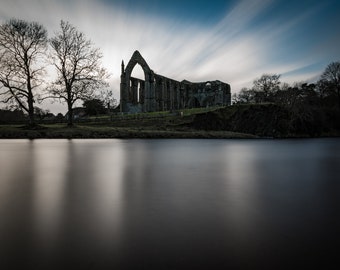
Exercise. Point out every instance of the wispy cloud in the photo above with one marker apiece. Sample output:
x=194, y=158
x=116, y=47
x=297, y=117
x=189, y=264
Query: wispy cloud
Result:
x=228, y=51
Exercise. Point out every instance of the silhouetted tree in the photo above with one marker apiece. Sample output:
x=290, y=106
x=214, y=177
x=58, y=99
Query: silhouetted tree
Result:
x=78, y=65
x=42, y=113
x=22, y=46
x=265, y=87
x=244, y=96
x=284, y=96
x=59, y=117
x=9, y=116
x=94, y=106
x=234, y=98
x=109, y=100
x=330, y=81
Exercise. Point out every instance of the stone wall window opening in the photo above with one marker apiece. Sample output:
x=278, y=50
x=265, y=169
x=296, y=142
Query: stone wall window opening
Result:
x=137, y=79
x=138, y=72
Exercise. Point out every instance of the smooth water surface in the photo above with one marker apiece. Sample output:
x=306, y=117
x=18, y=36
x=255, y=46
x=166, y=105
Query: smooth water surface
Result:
x=168, y=204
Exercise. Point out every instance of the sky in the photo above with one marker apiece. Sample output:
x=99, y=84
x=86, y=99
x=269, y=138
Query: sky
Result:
x=232, y=41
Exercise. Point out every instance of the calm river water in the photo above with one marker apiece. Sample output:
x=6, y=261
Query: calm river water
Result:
x=169, y=204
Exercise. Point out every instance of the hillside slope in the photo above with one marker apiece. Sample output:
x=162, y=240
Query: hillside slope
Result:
x=270, y=120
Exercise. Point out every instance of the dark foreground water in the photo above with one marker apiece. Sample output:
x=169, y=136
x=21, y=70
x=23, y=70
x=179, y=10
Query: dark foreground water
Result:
x=169, y=204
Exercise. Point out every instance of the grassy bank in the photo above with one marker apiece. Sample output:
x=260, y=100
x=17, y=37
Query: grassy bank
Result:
x=245, y=121
x=272, y=120
x=91, y=131
x=145, y=125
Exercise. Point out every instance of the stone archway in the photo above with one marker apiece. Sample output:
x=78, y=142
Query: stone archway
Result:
x=129, y=86
x=193, y=103
x=137, y=59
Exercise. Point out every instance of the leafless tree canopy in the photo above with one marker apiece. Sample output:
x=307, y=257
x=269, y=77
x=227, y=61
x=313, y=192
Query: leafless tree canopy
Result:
x=332, y=73
x=267, y=83
x=78, y=65
x=108, y=99
x=330, y=80
x=265, y=86
x=22, y=48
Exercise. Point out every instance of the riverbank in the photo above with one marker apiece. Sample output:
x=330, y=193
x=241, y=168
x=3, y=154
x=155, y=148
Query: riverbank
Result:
x=89, y=132
x=239, y=122
x=94, y=132
x=272, y=120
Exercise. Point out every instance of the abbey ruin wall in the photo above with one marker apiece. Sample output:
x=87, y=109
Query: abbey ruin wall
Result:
x=159, y=93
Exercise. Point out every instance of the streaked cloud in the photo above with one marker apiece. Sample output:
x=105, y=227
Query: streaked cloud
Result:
x=234, y=50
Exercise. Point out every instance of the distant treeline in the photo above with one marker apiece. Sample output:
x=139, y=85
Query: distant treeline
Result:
x=268, y=88
x=17, y=116
x=273, y=109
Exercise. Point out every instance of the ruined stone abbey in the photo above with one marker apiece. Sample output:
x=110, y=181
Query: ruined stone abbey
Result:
x=159, y=93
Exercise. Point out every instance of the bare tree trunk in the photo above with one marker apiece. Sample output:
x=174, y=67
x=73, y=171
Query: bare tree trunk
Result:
x=30, y=99
x=31, y=110
x=70, y=114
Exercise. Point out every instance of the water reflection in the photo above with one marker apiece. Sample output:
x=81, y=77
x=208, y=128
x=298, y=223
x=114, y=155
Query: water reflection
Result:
x=167, y=204
x=49, y=162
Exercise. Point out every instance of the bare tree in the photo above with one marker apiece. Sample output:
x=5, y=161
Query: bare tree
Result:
x=246, y=95
x=108, y=99
x=265, y=86
x=22, y=48
x=78, y=66
x=330, y=80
